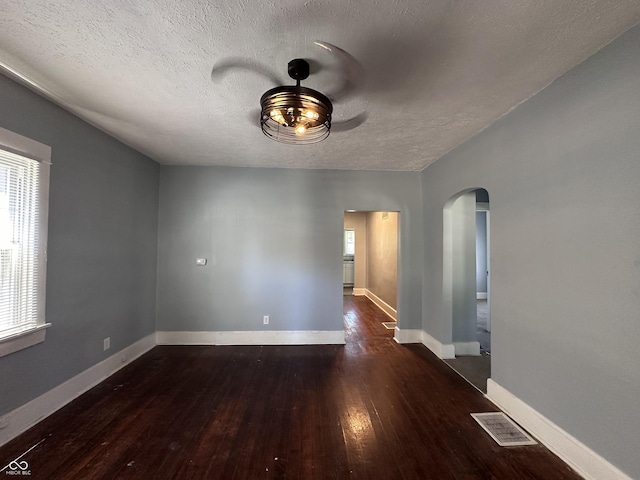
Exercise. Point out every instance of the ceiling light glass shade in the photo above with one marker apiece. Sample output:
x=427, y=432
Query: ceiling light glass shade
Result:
x=295, y=115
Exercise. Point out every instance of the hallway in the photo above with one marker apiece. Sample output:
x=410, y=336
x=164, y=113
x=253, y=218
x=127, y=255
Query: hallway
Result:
x=364, y=332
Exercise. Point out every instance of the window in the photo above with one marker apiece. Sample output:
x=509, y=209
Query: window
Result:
x=24, y=200
x=349, y=242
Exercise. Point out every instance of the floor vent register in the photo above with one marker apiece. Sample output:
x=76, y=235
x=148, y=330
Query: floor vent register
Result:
x=503, y=430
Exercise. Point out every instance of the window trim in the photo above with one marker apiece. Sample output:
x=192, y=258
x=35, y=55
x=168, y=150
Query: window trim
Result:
x=26, y=147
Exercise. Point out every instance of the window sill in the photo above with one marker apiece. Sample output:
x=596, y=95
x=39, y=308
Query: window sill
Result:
x=22, y=340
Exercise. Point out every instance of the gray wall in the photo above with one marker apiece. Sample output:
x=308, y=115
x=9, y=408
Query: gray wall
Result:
x=101, y=271
x=273, y=239
x=481, y=252
x=463, y=269
x=563, y=175
x=382, y=256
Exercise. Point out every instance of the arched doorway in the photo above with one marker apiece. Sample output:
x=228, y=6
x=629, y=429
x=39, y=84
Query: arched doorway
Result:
x=466, y=283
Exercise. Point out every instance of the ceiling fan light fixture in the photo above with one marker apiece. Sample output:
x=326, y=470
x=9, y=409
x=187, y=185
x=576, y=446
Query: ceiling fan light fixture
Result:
x=294, y=114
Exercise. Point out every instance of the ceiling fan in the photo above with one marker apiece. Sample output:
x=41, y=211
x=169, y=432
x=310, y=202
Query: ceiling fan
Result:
x=299, y=115
x=296, y=114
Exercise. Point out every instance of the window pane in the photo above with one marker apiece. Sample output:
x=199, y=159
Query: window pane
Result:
x=349, y=242
x=19, y=242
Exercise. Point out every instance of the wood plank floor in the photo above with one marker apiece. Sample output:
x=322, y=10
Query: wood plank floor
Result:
x=371, y=409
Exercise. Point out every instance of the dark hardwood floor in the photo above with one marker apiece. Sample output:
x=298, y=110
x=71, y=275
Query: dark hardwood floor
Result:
x=371, y=409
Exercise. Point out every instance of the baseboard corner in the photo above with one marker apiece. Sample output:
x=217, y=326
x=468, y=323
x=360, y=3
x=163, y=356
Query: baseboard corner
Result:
x=467, y=348
x=441, y=350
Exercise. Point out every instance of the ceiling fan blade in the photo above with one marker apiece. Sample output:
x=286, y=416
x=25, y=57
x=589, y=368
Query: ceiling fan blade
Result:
x=223, y=66
x=351, y=73
x=350, y=124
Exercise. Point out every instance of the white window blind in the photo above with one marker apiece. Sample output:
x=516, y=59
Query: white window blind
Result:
x=19, y=243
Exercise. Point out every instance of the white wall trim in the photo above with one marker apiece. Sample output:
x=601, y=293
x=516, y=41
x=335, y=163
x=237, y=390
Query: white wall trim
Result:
x=24, y=339
x=481, y=295
x=467, y=348
x=441, y=350
x=266, y=337
x=385, y=307
x=576, y=454
x=17, y=421
x=24, y=146
x=359, y=291
x=408, y=335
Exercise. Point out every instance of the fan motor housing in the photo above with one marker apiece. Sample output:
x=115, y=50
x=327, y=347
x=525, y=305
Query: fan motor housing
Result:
x=298, y=69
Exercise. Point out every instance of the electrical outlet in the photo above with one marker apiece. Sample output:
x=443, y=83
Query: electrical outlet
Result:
x=106, y=343
x=265, y=320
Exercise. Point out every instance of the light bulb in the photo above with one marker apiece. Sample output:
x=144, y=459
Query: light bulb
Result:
x=277, y=116
x=300, y=129
x=311, y=114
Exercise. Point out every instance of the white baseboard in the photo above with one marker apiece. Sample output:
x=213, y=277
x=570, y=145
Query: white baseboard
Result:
x=573, y=452
x=385, y=307
x=466, y=348
x=17, y=421
x=266, y=337
x=359, y=291
x=408, y=335
x=481, y=295
x=441, y=350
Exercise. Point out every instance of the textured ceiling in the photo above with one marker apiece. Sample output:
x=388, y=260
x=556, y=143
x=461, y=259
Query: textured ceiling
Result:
x=436, y=72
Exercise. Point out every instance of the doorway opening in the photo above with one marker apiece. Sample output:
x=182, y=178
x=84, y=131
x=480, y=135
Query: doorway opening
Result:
x=370, y=262
x=467, y=285
x=348, y=260
x=483, y=270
